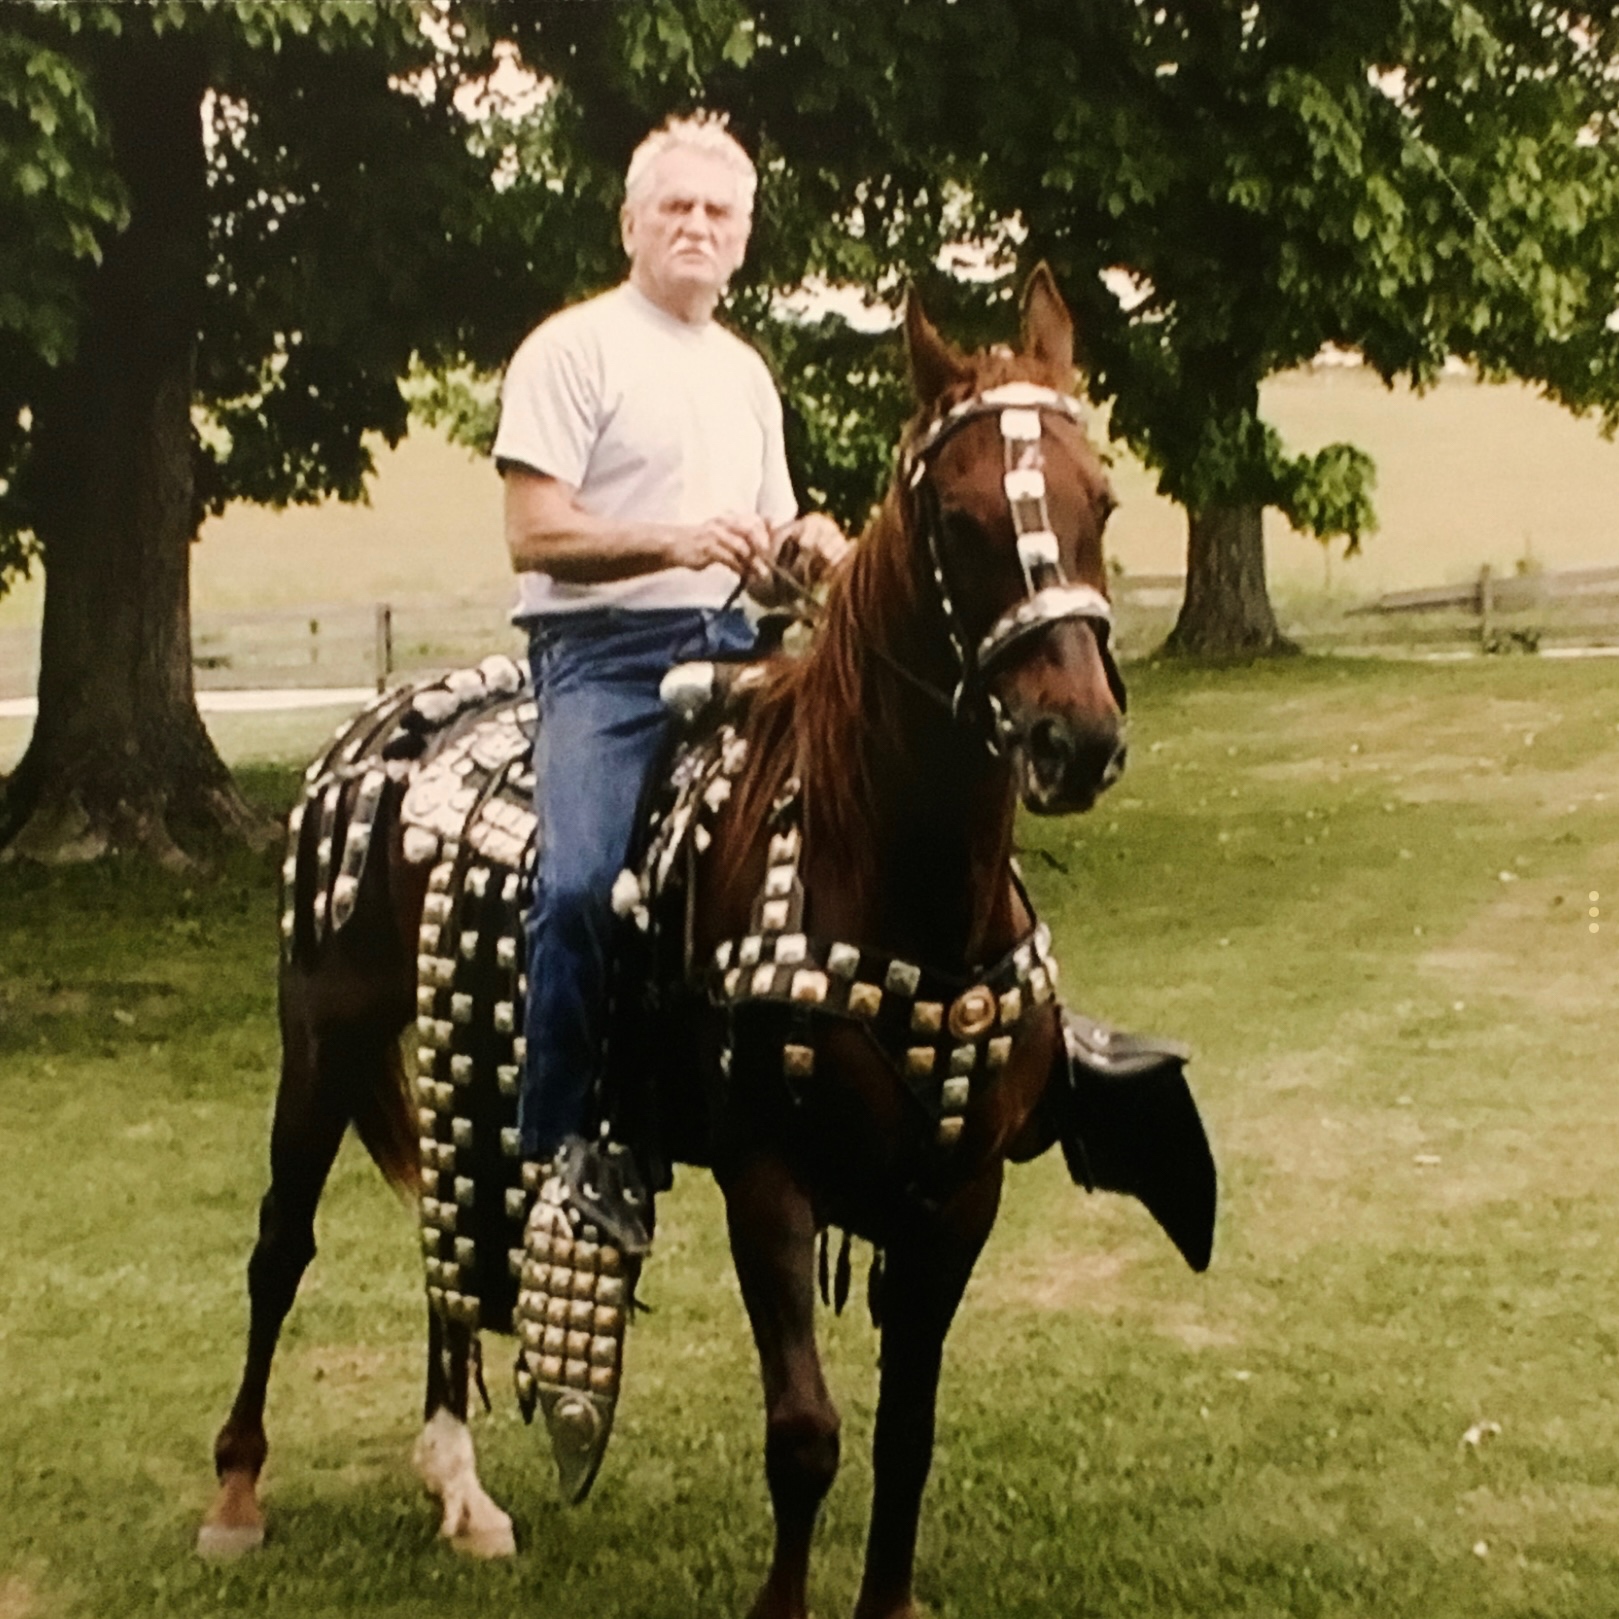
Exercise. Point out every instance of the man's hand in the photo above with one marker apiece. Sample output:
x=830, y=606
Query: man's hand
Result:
x=547, y=531
x=740, y=540
x=806, y=550
x=810, y=547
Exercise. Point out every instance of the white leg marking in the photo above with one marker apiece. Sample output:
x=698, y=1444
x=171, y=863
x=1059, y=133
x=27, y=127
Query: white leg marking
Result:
x=444, y=1459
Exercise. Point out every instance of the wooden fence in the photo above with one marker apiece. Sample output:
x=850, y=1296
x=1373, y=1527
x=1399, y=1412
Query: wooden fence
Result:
x=368, y=643
x=1524, y=607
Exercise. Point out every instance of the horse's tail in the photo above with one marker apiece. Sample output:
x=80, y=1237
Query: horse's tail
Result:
x=381, y=1114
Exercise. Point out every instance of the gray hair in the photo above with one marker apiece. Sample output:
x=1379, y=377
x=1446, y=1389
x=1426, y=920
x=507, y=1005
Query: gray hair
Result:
x=705, y=133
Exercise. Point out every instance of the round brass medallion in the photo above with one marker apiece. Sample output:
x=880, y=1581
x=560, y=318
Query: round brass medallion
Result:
x=972, y=1013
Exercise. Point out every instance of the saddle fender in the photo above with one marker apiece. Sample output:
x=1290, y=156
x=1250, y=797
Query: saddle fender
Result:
x=1129, y=1124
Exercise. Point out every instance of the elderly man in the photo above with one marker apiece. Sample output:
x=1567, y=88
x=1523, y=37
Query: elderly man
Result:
x=645, y=476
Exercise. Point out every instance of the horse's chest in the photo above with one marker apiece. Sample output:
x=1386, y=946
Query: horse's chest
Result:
x=947, y=1036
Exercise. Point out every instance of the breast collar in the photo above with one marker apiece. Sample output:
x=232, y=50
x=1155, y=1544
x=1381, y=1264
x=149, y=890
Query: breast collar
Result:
x=947, y=1036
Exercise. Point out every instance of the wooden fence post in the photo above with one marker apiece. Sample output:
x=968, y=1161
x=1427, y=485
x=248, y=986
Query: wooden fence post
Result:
x=385, y=644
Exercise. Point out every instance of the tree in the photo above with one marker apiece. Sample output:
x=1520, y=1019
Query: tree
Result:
x=1406, y=180
x=240, y=217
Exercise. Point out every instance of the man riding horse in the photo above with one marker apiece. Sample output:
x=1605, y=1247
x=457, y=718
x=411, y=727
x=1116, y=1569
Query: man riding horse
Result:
x=645, y=475
x=646, y=482
x=850, y=1012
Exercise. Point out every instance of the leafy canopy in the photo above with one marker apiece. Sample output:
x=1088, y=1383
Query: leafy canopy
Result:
x=1413, y=179
x=351, y=224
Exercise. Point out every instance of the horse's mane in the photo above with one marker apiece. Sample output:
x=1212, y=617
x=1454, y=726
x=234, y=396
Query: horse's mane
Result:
x=823, y=717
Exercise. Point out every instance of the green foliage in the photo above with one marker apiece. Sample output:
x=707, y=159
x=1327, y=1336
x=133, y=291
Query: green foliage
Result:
x=1413, y=179
x=463, y=403
x=56, y=191
x=1329, y=494
x=58, y=195
x=352, y=225
x=1407, y=179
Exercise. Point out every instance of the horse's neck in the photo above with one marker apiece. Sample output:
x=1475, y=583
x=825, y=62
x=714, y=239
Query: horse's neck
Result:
x=938, y=828
x=916, y=816
x=943, y=879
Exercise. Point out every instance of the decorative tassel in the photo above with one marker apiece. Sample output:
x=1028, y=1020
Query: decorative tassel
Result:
x=874, y=1289
x=826, y=1291
x=840, y=1285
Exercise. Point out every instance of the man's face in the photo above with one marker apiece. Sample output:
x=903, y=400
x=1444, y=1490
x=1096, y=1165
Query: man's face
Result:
x=686, y=232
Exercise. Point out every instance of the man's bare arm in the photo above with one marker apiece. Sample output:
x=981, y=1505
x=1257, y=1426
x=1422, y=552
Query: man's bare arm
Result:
x=547, y=531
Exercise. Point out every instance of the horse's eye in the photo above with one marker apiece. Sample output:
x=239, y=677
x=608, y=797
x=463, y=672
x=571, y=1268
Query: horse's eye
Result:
x=961, y=532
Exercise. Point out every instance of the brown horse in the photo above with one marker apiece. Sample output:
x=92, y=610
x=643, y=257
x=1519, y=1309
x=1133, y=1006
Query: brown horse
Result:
x=962, y=662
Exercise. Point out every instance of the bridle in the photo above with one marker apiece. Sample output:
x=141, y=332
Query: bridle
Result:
x=1049, y=599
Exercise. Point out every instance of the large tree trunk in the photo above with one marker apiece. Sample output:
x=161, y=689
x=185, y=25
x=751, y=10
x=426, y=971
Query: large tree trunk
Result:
x=1226, y=612
x=119, y=757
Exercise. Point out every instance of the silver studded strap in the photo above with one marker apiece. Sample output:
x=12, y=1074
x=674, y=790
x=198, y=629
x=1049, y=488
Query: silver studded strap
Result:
x=470, y=995
x=1051, y=599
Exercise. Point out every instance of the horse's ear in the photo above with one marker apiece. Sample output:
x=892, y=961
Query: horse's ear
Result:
x=1048, y=328
x=935, y=364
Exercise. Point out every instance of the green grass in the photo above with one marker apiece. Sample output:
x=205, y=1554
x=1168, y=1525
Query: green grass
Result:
x=1361, y=892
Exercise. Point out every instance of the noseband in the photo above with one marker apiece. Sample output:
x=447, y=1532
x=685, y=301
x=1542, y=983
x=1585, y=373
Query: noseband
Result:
x=1049, y=599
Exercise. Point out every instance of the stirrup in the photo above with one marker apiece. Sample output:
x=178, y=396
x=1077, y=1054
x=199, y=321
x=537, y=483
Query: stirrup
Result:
x=1130, y=1124
x=583, y=1246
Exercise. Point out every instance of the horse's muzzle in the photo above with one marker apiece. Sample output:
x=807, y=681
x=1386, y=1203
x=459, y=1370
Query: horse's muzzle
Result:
x=1065, y=764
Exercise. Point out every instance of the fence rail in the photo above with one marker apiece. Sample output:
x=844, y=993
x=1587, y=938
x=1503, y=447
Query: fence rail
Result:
x=369, y=643
x=1506, y=593
x=1571, y=603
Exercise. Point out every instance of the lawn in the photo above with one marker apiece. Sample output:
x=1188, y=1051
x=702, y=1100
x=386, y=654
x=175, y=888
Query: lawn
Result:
x=1382, y=903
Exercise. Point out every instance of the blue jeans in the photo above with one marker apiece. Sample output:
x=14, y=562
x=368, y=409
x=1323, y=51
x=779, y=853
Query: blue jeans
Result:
x=601, y=724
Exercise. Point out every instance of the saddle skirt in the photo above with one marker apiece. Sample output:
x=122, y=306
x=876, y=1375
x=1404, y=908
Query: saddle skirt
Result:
x=449, y=761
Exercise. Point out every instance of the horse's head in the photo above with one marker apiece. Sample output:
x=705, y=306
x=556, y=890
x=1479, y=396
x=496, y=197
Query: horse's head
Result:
x=1010, y=500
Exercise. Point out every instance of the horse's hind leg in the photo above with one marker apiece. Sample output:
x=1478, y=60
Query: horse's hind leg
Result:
x=308, y=1128
x=773, y=1241
x=925, y=1274
x=444, y=1457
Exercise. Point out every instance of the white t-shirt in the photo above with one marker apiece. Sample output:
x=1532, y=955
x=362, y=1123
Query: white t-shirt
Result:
x=649, y=419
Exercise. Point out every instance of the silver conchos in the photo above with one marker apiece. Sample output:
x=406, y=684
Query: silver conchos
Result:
x=572, y=1309
x=903, y=978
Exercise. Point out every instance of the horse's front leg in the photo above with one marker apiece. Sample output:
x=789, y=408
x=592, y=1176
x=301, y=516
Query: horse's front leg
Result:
x=772, y=1230
x=925, y=1273
x=444, y=1457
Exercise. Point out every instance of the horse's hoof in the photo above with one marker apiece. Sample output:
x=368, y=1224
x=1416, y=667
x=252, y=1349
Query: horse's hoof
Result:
x=234, y=1525
x=224, y=1542
x=496, y=1541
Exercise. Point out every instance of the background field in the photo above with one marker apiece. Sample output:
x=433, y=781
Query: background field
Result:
x=1468, y=474
x=1362, y=891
